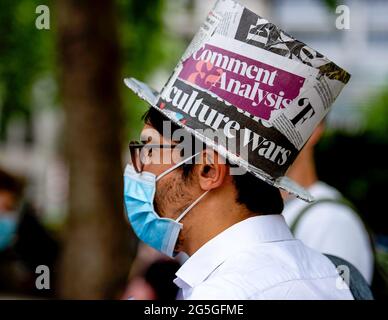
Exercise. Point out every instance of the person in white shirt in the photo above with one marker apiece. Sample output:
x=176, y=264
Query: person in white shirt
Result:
x=330, y=227
x=238, y=243
x=245, y=90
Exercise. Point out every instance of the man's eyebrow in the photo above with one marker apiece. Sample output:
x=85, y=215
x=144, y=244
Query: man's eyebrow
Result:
x=146, y=138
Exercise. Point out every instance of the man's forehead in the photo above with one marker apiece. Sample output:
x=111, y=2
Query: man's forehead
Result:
x=150, y=134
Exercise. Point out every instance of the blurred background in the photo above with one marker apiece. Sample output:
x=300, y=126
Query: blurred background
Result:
x=66, y=118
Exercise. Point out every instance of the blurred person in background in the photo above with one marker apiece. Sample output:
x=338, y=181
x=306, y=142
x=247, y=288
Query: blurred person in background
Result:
x=24, y=242
x=330, y=224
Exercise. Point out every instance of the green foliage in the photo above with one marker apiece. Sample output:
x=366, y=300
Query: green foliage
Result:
x=147, y=47
x=331, y=4
x=357, y=166
x=25, y=53
x=140, y=28
x=377, y=115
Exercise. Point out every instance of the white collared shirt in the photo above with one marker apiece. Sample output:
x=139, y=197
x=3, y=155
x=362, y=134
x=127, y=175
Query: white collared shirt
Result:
x=258, y=258
x=332, y=228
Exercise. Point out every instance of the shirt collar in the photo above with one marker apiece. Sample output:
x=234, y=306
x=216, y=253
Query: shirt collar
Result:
x=205, y=260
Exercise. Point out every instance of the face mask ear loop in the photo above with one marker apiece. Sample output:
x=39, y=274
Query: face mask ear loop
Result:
x=175, y=166
x=191, y=206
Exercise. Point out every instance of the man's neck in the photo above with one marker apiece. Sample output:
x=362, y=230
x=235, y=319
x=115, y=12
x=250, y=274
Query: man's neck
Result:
x=211, y=218
x=303, y=171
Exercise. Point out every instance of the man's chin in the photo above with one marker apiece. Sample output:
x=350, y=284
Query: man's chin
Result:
x=158, y=210
x=181, y=256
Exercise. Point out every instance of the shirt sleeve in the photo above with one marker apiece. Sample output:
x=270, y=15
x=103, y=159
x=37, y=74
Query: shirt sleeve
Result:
x=337, y=230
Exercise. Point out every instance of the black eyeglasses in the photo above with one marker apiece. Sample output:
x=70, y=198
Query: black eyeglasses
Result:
x=141, y=153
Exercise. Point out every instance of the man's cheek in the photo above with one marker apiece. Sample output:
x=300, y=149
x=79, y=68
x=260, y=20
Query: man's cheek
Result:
x=158, y=206
x=160, y=201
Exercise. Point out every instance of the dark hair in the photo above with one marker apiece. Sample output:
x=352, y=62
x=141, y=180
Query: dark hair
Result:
x=160, y=276
x=11, y=184
x=257, y=195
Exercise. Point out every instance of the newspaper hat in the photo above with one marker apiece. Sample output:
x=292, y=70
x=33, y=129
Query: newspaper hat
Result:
x=256, y=88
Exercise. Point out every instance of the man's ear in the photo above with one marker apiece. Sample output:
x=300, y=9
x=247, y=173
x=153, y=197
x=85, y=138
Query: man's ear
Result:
x=212, y=171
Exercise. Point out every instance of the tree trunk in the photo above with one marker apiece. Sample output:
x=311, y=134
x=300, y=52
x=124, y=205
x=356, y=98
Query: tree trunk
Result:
x=98, y=247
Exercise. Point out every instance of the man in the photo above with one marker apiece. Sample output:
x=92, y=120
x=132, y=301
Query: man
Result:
x=239, y=244
x=328, y=225
x=252, y=107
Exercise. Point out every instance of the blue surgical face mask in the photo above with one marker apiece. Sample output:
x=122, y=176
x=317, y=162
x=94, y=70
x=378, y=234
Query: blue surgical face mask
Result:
x=139, y=192
x=8, y=225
